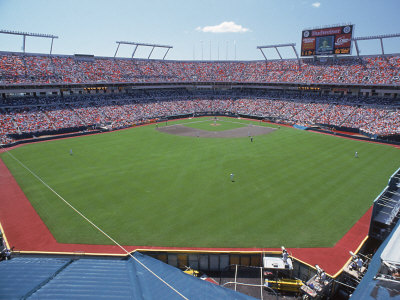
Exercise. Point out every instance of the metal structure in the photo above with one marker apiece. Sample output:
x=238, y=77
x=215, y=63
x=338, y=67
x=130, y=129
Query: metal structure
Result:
x=355, y=40
x=386, y=209
x=276, y=48
x=142, y=44
x=25, y=34
x=374, y=37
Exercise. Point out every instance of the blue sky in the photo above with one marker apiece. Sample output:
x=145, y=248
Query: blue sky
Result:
x=93, y=26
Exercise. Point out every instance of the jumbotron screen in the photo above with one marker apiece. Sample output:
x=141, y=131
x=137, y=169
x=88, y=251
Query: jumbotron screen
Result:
x=327, y=41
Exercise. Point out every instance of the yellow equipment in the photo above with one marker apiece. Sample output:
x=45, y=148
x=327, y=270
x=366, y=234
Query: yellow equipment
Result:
x=287, y=285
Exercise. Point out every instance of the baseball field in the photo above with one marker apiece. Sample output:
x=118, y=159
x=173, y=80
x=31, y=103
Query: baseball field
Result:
x=170, y=185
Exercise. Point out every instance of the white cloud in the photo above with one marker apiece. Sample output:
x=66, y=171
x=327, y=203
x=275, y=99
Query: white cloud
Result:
x=316, y=4
x=223, y=27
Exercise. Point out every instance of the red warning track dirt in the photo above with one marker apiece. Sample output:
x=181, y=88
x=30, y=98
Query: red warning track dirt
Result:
x=26, y=231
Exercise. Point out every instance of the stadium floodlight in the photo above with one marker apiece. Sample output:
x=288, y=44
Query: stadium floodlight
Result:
x=277, y=45
x=374, y=37
x=25, y=34
x=276, y=48
x=144, y=45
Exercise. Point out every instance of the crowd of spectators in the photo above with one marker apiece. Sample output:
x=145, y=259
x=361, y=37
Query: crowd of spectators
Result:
x=376, y=116
x=42, y=69
x=35, y=115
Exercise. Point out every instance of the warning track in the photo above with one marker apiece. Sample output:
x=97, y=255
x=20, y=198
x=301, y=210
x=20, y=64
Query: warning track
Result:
x=25, y=230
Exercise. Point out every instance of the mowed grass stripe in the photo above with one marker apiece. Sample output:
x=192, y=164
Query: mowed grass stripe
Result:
x=144, y=187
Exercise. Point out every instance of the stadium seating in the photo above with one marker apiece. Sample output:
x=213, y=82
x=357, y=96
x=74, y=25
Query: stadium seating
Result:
x=43, y=69
x=32, y=115
x=372, y=115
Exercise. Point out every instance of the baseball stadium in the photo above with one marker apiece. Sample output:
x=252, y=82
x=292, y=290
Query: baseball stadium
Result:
x=145, y=178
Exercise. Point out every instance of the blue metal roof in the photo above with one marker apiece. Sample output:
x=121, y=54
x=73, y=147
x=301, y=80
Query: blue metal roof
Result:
x=189, y=286
x=89, y=279
x=21, y=276
x=141, y=277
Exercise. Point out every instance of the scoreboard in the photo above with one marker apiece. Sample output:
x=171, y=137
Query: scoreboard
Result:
x=327, y=41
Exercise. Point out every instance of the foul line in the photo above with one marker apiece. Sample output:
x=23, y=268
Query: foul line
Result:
x=94, y=225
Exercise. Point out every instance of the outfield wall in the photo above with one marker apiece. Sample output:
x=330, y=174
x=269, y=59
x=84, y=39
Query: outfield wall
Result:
x=78, y=131
x=219, y=262
x=51, y=137
x=361, y=138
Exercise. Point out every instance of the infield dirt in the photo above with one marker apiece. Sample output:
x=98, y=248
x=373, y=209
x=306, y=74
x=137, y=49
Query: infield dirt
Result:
x=232, y=133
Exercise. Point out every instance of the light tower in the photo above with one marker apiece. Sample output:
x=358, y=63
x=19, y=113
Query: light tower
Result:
x=25, y=34
x=276, y=48
x=375, y=37
x=142, y=44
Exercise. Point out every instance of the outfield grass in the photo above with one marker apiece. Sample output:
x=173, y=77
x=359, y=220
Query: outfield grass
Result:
x=144, y=187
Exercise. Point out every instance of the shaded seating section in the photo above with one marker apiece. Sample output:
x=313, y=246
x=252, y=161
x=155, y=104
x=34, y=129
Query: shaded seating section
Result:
x=87, y=278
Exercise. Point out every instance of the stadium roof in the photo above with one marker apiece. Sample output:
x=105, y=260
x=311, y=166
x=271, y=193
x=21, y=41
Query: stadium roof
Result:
x=391, y=254
x=64, y=278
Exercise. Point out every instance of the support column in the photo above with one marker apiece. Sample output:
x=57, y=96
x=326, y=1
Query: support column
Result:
x=383, y=51
x=150, y=52
x=23, y=43
x=116, y=51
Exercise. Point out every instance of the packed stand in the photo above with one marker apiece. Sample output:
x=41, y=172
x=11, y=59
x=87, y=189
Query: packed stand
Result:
x=16, y=68
x=35, y=115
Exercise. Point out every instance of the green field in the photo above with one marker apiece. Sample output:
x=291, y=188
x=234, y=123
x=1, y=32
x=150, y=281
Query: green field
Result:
x=144, y=187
